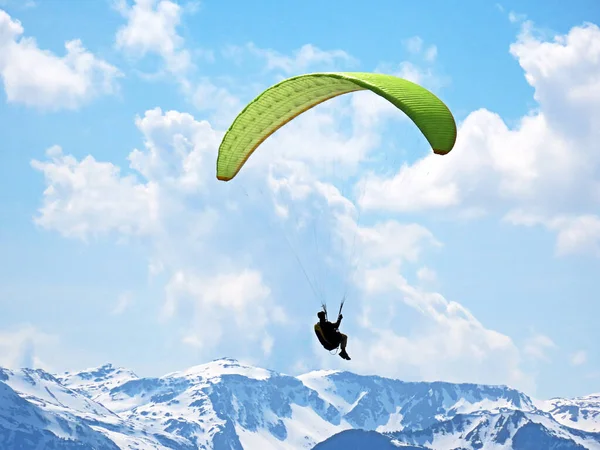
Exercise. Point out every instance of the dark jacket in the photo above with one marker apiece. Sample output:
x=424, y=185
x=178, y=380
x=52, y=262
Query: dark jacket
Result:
x=330, y=329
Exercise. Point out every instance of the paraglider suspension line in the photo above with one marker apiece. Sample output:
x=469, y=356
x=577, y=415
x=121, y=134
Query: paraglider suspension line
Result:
x=305, y=274
x=342, y=304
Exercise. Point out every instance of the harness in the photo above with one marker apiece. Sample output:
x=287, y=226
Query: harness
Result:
x=324, y=342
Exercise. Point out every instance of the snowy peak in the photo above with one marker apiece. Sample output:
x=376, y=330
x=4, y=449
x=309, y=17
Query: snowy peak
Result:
x=222, y=367
x=45, y=390
x=579, y=412
x=102, y=373
x=384, y=404
x=96, y=381
x=227, y=401
x=516, y=430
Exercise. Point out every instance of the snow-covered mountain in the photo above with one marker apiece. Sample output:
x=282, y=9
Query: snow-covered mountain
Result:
x=513, y=430
x=581, y=412
x=225, y=404
x=96, y=381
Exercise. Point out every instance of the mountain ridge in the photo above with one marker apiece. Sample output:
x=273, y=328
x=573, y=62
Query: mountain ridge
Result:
x=226, y=404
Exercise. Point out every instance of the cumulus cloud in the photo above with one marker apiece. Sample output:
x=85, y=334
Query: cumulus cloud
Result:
x=170, y=199
x=393, y=241
x=38, y=78
x=178, y=149
x=151, y=28
x=230, y=303
x=87, y=198
x=443, y=341
x=542, y=168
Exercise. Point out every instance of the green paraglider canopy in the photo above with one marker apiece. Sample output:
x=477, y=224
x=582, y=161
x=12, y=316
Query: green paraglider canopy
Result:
x=284, y=101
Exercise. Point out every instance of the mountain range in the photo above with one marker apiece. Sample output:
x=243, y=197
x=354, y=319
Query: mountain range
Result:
x=226, y=404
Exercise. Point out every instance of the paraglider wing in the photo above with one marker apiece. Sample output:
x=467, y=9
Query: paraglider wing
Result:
x=284, y=101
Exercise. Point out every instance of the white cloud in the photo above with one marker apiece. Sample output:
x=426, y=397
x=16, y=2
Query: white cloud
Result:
x=579, y=358
x=179, y=150
x=233, y=291
x=20, y=347
x=393, y=241
x=152, y=29
x=176, y=208
x=444, y=341
x=92, y=198
x=417, y=187
x=544, y=167
x=364, y=246
x=537, y=347
x=575, y=234
x=38, y=78
x=228, y=303
x=123, y=303
x=304, y=58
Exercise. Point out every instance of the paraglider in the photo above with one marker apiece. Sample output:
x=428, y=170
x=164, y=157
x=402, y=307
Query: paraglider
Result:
x=286, y=100
x=329, y=336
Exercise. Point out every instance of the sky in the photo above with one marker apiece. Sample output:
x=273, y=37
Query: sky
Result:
x=120, y=245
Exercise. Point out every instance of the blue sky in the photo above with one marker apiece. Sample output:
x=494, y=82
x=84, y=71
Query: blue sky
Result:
x=119, y=245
